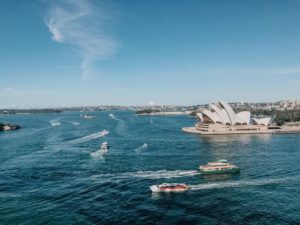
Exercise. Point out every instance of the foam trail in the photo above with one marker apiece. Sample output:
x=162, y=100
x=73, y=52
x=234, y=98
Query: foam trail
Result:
x=236, y=184
x=144, y=146
x=112, y=116
x=98, y=155
x=159, y=174
x=89, y=137
x=121, y=128
x=74, y=123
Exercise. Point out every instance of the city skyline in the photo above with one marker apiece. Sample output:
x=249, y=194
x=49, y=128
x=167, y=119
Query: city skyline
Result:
x=139, y=52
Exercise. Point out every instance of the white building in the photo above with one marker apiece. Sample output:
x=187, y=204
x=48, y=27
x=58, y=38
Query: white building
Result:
x=221, y=118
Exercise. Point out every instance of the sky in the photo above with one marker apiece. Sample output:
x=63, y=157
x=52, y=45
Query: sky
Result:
x=133, y=52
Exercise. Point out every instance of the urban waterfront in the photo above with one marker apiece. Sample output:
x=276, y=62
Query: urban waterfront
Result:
x=50, y=176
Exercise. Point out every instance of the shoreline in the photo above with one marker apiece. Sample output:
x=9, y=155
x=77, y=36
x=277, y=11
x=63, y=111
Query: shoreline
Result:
x=283, y=130
x=163, y=113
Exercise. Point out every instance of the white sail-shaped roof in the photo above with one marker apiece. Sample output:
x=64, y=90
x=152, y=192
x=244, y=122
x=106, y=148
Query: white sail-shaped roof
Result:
x=200, y=116
x=216, y=111
x=221, y=113
x=262, y=121
x=229, y=111
x=242, y=118
x=212, y=115
x=224, y=114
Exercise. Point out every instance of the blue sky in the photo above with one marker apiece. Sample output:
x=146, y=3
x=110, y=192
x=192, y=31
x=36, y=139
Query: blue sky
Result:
x=131, y=52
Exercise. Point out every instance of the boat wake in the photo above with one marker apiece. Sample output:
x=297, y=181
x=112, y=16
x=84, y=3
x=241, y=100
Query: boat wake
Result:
x=121, y=128
x=98, y=155
x=112, y=116
x=89, y=137
x=74, y=123
x=148, y=174
x=165, y=174
x=142, y=147
x=240, y=183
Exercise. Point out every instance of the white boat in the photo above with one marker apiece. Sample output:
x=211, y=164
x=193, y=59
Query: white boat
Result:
x=104, y=132
x=221, y=166
x=166, y=187
x=104, y=147
x=55, y=123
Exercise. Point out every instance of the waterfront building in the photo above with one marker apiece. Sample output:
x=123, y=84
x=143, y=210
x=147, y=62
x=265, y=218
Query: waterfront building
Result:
x=220, y=118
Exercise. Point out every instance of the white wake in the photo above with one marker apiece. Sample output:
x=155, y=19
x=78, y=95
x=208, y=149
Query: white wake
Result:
x=240, y=183
x=142, y=147
x=89, y=137
x=159, y=174
x=98, y=155
x=74, y=123
x=112, y=116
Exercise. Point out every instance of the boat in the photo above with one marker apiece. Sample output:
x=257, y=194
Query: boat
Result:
x=85, y=116
x=104, y=132
x=55, y=123
x=219, y=167
x=104, y=147
x=167, y=187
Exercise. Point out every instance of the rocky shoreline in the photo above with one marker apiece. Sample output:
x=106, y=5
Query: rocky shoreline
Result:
x=8, y=127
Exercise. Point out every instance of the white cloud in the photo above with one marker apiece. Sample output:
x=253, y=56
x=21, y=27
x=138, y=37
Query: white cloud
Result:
x=81, y=24
x=8, y=89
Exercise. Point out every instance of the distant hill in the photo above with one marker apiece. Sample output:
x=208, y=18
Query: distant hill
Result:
x=29, y=111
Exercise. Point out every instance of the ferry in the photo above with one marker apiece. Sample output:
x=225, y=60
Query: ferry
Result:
x=219, y=167
x=166, y=187
x=104, y=147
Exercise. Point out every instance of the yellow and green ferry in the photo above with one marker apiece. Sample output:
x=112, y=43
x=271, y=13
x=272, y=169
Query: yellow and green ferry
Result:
x=219, y=167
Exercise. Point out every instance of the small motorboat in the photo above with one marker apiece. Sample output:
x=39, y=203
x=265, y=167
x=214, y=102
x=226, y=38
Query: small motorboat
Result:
x=104, y=147
x=221, y=166
x=55, y=123
x=166, y=187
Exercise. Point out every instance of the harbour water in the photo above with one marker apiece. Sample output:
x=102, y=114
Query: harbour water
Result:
x=49, y=174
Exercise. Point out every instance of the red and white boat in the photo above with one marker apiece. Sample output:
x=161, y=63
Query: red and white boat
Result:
x=169, y=187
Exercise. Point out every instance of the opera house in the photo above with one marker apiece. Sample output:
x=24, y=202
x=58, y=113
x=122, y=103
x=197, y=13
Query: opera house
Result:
x=221, y=119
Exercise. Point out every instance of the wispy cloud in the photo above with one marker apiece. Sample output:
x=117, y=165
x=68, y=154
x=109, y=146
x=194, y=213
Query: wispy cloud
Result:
x=80, y=24
x=7, y=89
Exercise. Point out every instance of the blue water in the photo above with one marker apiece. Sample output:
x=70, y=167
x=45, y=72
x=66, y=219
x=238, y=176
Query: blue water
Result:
x=48, y=174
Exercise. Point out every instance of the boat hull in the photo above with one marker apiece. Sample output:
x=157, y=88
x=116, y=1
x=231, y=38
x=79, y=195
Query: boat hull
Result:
x=232, y=170
x=155, y=188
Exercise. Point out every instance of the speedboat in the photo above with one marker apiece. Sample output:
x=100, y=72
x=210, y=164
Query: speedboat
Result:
x=55, y=123
x=104, y=147
x=221, y=166
x=166, y=187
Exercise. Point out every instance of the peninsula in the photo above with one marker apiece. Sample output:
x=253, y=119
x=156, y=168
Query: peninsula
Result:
x=220, y=118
